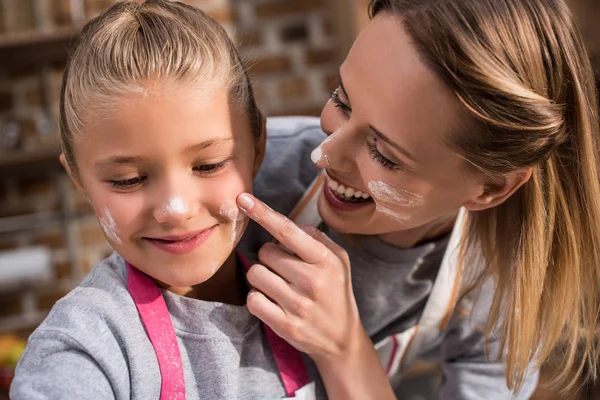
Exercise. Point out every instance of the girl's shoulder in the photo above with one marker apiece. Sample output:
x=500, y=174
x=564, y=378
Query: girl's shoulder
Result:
x=100, y=300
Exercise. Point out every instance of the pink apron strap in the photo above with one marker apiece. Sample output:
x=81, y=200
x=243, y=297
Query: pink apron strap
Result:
x=156, y=319
x=289, y=360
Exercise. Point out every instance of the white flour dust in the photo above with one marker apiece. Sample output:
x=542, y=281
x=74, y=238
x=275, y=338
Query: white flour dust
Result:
x=389, y=196
x=109, y=226
x=175, y=206
x=230, y=211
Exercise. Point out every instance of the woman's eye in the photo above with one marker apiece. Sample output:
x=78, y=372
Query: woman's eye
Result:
x=381, y=159
x=127, y=183
x=335, y=97
x=209, y=168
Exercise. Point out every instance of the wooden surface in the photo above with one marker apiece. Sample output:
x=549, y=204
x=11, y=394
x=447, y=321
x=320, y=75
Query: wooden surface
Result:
x=30, y=49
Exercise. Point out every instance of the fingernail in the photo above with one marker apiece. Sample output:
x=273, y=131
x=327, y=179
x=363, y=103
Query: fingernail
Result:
x=246, y=201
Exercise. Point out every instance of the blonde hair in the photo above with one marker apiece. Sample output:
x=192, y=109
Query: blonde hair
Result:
x=522, y=74
x=129, y=45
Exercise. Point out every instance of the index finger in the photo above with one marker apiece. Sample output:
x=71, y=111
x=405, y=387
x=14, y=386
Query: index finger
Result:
x=283, y=229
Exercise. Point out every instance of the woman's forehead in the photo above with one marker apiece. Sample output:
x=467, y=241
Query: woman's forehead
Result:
x=388, y=83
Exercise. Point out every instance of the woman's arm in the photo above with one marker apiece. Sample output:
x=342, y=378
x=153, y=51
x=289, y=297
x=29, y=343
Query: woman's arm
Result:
x=357, y=374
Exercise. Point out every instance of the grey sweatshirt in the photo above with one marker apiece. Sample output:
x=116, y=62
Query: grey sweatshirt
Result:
x=391, y=285
x=94, y=346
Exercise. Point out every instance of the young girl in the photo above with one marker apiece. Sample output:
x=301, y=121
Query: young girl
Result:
x=160, y=133
x=462, y=151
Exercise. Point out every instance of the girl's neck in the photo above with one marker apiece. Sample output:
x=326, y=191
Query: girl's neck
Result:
x=421, y=234
x=227, y=285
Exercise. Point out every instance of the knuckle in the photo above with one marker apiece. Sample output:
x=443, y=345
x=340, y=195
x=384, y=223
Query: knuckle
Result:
x=315, y=286
x=311, y=230
x=302, y=307
x=293, y=329
x=287, y=229
x=259, y=211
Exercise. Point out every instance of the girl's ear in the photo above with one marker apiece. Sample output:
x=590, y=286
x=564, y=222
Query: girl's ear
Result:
x=260, y=146
x=496, y=193
x=73, y=175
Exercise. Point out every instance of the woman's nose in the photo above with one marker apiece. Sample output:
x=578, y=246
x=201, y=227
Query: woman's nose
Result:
x=336, y=151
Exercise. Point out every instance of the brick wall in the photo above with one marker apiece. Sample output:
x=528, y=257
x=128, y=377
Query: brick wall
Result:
x=292, y=52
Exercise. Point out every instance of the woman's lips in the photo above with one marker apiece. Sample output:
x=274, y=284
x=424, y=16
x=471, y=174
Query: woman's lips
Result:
x=339, y=204
x=181, y=244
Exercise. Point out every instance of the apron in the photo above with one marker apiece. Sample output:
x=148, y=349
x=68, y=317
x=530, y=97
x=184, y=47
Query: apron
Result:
x=396, y=352
x=156, y=319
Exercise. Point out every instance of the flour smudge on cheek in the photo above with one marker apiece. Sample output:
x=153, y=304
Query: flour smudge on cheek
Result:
x=109, y=226
x=387, y=198
x=230, y=211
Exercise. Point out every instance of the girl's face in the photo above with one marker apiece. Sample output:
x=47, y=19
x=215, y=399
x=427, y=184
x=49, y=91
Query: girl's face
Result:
x=163, y=172
x=388, y=124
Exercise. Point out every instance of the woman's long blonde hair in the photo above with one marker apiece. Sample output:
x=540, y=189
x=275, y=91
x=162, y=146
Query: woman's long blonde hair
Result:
x=521, y=72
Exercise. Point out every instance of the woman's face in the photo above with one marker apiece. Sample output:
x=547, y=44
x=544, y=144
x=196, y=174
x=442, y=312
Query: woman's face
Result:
x=389, y=123
x=163, y=172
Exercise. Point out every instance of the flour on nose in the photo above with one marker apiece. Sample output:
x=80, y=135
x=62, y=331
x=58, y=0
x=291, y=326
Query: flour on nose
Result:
x=175, y=206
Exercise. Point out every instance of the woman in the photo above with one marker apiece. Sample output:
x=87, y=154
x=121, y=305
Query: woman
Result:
x=477, y=117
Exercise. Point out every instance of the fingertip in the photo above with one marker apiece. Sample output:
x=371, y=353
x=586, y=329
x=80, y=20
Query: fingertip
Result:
x=246, y=201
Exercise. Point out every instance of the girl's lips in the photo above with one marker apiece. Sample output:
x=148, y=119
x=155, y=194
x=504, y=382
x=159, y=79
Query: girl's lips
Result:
x=181, y=244
x=339, y=204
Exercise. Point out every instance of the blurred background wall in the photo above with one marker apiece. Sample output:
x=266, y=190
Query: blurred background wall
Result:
x=49, y=238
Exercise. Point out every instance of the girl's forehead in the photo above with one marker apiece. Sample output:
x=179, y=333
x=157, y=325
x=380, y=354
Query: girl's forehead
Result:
x=158, y=124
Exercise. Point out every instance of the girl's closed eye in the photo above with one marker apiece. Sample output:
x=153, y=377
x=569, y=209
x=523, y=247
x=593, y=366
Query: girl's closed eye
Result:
x=135, y=182
x=207, y=169
x=125, y=184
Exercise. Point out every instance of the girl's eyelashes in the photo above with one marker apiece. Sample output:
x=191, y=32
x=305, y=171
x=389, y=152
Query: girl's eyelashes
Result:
x=133, y=183
x=334, y=96
x=127, y=183
x=210, y=168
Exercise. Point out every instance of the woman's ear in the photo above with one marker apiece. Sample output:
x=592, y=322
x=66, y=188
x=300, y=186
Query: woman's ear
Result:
x=73, y=175
x=261, y=145
x=497, y=192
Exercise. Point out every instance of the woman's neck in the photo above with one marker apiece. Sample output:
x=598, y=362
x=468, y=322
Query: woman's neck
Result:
x=425, y=233
x=227, y=285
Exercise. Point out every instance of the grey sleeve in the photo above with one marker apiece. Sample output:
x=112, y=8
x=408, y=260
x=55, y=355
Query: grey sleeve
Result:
x=55, y=366
x=470, y=366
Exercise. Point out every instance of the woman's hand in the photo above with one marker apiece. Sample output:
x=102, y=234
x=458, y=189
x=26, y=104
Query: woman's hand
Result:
x=305, y=297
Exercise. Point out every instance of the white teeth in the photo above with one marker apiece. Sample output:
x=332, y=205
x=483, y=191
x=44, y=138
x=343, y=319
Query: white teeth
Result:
x=348, y=192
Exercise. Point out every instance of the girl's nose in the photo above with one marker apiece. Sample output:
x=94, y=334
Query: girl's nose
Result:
x=174, y=210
